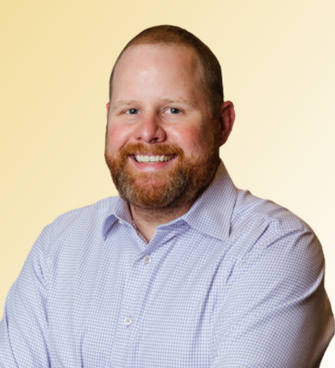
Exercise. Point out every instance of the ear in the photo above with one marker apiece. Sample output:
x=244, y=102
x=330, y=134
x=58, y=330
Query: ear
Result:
x=227, y=118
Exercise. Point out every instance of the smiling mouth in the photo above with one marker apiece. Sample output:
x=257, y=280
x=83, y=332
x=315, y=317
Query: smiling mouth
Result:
x=153, y=159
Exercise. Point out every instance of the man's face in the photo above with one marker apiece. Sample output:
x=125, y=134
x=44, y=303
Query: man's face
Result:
x=161, y=147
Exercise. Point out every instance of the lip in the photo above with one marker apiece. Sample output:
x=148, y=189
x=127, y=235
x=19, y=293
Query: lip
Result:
x=143, y=166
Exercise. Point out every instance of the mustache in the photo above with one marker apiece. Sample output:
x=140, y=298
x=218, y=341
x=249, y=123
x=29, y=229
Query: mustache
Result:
x=155, y=149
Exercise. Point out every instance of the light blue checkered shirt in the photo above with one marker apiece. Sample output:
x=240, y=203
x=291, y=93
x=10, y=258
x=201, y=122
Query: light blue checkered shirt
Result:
x=235, y=282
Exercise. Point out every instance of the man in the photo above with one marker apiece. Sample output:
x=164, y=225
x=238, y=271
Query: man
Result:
x=183, y=269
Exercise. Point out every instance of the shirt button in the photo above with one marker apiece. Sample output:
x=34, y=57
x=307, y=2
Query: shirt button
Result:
x=147, y=259
x=128, y=321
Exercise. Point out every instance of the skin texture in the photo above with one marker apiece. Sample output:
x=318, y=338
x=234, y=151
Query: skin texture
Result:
x=158, y=107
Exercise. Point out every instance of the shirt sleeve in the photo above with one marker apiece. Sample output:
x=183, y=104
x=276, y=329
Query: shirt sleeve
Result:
x=275, y=312
x=23, y=329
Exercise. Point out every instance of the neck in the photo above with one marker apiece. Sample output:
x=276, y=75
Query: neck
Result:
x=147, y=220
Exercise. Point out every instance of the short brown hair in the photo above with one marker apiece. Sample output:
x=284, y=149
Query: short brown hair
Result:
x=211, y=69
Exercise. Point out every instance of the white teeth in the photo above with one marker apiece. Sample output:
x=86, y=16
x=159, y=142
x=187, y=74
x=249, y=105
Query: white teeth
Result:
x=152, y=159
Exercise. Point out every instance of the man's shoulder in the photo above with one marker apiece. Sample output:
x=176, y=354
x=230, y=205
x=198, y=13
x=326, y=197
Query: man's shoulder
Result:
x=84, y=217
x=265, y=221
x=75, y=230
x=264, y=230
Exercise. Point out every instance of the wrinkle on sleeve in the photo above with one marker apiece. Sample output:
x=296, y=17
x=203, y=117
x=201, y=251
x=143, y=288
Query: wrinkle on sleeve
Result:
x=24, y=327
x=276, y=312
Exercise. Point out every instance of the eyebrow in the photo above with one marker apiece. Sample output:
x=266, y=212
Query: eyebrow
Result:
x=176, y=100
x=163, y=100
x=124, y=103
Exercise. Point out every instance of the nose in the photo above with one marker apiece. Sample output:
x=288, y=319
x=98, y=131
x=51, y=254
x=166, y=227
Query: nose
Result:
x=150, y=129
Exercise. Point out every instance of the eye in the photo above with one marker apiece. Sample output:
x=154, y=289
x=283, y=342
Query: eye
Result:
x=173, y=110
x=132, y=111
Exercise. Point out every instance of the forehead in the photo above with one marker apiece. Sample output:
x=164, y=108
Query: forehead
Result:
x=162, y=58
x=175, y=50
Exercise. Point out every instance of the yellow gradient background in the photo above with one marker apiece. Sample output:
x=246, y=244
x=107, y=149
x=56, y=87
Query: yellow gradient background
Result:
x=278, y=60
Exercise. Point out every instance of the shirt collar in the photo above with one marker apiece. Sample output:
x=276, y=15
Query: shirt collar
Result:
x=118, y=209
x=211, y=213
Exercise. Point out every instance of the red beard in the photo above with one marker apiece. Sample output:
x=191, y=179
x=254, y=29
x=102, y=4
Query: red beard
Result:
x=166, y=188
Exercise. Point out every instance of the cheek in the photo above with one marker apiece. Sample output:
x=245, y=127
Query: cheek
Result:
x=117, y=136
x=191, y=140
